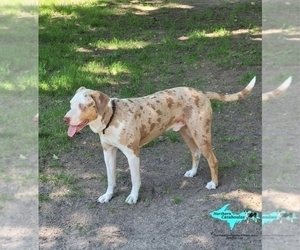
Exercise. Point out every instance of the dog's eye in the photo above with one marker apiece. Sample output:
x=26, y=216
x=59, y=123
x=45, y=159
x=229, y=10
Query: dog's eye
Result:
x=91, y=104
x=82, y=107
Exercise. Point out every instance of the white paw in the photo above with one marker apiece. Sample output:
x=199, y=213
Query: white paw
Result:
x=211, y=185
x=131, y=199
x=190, y=173
x=104, y=198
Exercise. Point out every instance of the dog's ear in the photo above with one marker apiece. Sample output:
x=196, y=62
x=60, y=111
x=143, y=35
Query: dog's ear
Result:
x=100, y=100
x=80, y=89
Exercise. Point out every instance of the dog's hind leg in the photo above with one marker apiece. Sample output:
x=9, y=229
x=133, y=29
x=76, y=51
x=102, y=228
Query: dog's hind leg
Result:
x=195, y=152
x=213, y=165
x=202, y=138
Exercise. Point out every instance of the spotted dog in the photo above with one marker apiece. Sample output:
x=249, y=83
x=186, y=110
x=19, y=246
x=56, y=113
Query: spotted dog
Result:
x=128, y=124
x=276, y=92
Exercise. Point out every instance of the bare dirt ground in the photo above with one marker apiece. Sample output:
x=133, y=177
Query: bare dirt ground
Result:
x=19, y=208
x=18, y=177
x=172, y=211
x=281, y=167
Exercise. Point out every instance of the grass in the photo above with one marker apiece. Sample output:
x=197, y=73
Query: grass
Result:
x=281, y=17
x=92, y=205
x=176, y=199
x=58, y=178
x=249, y=178
x=44, y=197
x=224, y=197
x=4, y=198
x=173, y=136
x=146, y=202
x=19, y=97
x=230, y=138
x=247, y=77
x=81, y=229
x=106, y=45
x=228, y=161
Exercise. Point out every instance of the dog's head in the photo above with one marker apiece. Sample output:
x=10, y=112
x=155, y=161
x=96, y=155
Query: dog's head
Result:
x=86, y=106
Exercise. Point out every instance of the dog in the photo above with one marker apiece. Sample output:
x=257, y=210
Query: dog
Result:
x=250, y=214
x=128, y=124
x=276, y=92
x=283, y=214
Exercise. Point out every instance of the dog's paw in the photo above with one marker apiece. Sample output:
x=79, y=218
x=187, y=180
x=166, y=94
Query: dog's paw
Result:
x=104, y=198
x=211, y=185
x=190, y=173
x=131, y=199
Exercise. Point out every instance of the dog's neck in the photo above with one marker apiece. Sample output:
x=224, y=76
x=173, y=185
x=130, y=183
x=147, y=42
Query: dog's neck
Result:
x=102, y=122
x=112, y=109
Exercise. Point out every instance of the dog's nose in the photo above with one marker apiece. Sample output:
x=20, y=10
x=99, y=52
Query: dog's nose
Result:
x=66, y=120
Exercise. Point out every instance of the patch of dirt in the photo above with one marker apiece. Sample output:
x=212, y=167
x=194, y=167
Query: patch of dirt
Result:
x=172, y=211
x=281, y=168
x=19, y=203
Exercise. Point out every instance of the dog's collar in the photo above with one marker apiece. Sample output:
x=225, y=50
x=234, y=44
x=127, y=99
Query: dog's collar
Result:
x=113, y=105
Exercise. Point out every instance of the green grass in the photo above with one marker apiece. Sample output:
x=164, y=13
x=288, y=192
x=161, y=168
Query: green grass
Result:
x=230, y=138
x=82, y=230
x=281, y=16
x=44, y=198
x=60, y=178
x=247, y=77
x=5, y=198
x=173, y=136
x=249, y=178
x=228, y=161
x=176, y=199
x=19, y=98
x=92, y=205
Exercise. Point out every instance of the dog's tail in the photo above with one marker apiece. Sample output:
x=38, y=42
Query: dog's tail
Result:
x=233, y=97
x=276, y=92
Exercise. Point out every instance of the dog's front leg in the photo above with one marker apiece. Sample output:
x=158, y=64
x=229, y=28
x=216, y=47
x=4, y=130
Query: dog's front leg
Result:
x=110, y=161
x=134, y=164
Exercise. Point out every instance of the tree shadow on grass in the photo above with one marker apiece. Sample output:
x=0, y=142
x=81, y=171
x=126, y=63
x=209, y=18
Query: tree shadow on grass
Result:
x=133, y=45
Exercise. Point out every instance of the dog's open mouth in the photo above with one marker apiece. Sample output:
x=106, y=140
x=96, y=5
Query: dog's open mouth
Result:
x=74, y=129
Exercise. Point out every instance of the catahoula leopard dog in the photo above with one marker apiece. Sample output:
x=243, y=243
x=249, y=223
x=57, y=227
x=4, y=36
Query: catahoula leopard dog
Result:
x=128, y=124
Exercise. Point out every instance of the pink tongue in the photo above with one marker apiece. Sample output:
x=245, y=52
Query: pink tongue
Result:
x=72, y=130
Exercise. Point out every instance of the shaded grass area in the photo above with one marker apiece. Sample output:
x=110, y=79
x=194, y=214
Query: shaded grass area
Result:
x=281, y=28
x=18, y=89
x=110, y=42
